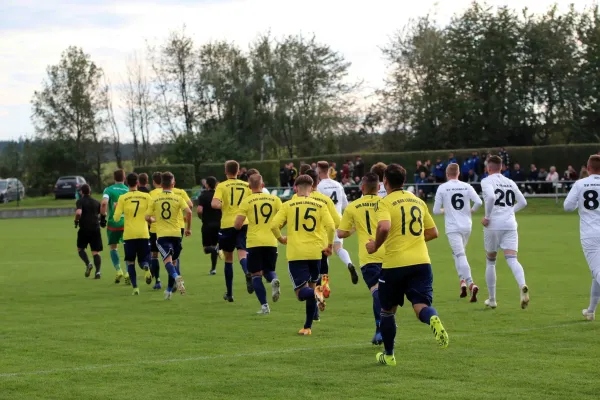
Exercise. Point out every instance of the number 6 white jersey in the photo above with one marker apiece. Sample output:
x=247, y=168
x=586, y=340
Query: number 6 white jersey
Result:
x=502, y=199
x=456, y=197
x=585, y=195
x=335, y=191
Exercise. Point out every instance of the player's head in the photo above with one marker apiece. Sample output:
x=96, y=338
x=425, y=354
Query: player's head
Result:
x=119, y=176
x=132, y=180
x=494, y=164
x=143, y=179
x=304, y=168
x=255, y=181
x=167, y=180
x=211, y=182
x=379, y=169
x=394, y=177
x=85, y=189
x=304, y=185
x=370, y=183
x=251, y=172
x=593, y=165
x=157, y=179
x=314, y=176
x=452, y=171
x=323, y=168
x=232, y=168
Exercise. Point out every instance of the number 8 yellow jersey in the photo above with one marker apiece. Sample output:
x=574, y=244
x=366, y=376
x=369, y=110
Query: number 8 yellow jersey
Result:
x=166, y=208
x=231, y=193
x=409, y=217
x=260, y=209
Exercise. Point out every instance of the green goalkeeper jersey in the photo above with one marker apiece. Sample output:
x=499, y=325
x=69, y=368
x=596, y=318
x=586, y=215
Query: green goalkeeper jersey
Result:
x=112, y=194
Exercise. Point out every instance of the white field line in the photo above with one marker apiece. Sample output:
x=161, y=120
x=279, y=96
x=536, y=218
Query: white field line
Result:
x=263, y=353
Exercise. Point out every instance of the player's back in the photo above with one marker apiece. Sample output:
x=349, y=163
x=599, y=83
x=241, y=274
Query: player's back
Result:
x=134, y=205
x=90, y=209
x=112, y=194
x=505, y=194
x=362, y=214
x=186, y=198
x=260, y=209
x=585, y=193
x=409, y=218
x=154, y=193
x=456, y=196
x=335, y=191
x=231, y=193
x=165, y=208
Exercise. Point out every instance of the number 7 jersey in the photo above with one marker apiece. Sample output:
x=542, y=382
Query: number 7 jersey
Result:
x=231, y=193
x=502, y=199
x=260, y=209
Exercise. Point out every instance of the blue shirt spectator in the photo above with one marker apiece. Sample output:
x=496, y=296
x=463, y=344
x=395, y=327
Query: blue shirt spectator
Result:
x=475, y=161
x=517, y=175
x=506, y=171
x=467, y=165
x=439, y=171
x=451, y=159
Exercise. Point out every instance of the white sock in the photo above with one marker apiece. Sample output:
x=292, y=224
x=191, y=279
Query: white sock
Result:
x=458, y=267
x=465, y=268
x=517, y=269
x=344, y=256
x=490, y=277
x=594, y=296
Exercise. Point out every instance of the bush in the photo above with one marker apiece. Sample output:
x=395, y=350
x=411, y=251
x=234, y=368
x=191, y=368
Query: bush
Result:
x=184, y=173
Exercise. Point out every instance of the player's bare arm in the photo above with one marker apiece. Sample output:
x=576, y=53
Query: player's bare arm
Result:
x=344, y=234
x=239, y=222
x=216, y=204
x=430, y=234
x=188, y=221
x=383, y=230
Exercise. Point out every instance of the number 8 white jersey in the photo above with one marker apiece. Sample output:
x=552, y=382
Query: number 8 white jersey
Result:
x=585, y=195
x=502, y=199
x=455, y=197
x=335, y=191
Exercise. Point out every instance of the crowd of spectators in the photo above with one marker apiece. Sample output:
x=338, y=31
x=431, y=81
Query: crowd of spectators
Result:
x=348, y=174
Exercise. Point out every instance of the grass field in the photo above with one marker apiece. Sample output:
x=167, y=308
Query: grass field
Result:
x=65, y=337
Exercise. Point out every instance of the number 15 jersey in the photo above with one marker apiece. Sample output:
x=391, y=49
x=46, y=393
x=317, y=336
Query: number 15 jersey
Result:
x=502, y=199
x=456, y=197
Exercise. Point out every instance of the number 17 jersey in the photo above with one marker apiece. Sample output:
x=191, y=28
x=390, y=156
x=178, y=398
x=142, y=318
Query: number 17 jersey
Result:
x=231, y=193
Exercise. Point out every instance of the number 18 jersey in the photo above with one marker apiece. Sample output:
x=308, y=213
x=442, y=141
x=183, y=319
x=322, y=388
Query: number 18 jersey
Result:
x=456, y=197
x=585, y=196
x=260, y=209
x=507, y=199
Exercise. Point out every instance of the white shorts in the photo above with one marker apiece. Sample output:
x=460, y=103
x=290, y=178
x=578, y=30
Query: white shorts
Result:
x=337, y=239
x=458, y=241
x=591, y=251
x=496, y=240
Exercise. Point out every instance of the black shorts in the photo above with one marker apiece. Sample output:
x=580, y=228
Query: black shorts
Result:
x=303, y=272
x=415, y=282
x=136, y=248
x=262, y=259
x=231, y=239
x=371, y=273
x=210, y=235
x=93, y=238
x=153, y=247
x=169, y=246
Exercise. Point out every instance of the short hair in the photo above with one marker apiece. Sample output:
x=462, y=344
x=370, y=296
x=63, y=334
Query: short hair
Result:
x=254, y=181
x=452, y=169
x=251, y=172
x=313, y=175
x=232, y=167
x=304, y=180
x=132, y=179
x=323, y=166
x=379, y=169
x=143, y=178
x=371, y=181
x=85, y=189
x=594, y=163
x=211, y=182
x=157, y=177
x=495, y=160
x=395, y=175
x=119, y=175
x=304, y=168
x=167, y=179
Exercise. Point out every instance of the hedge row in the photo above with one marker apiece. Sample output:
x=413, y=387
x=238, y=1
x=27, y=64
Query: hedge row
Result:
x=185, y=174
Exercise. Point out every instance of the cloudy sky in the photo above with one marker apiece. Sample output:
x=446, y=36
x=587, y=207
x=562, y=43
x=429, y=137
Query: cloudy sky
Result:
x=33, y=33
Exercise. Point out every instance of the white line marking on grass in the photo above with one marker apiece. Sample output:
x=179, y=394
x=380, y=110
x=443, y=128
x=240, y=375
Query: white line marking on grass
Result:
x=267, y=353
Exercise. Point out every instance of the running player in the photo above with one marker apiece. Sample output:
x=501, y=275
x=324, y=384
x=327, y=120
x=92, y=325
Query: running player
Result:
x=502, y=199
x=211, y=222
x=335, y=191
x=585, y=196
x=404, y=225
x=114, y=229
x=304, y=218
x=182, y=221
x=154, y=264
x=86, y=218
x=257, y=210
x=143, y=183
x=134, y=204
x=228, y=197
x=379, y=169
x=453, y=199
x=360, y=215
x=164, y=210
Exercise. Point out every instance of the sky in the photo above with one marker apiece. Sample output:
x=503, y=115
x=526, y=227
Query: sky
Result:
x=34, y=33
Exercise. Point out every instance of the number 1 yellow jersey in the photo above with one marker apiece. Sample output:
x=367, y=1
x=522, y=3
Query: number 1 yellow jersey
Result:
x=166, y=208
x=231, y=193
x=260, y=209
x=361, y=214
x=134, y=205
x=409, y=217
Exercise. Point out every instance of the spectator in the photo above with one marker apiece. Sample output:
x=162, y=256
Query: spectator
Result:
x=439, y=171
x=359, y=167
x=584, y=172
x=504, y=156
x=357, y=180
x=293, y=173
x=420, y=168
x=428, y=166
x=570, y=174
x=473, y=180
x=345, y=171
x=284, y=176
x=451, y=159
x=518, y=177
x=466, y=166
x=475, y=162
x=350, y=169
x=542, y=174
x=551, y=179
x=533, y=177
x=505, y=171
x=243, y=175
x=332, y=172
x=314, y=166
x=423, y=189
x=346, y=182
x=485, y=162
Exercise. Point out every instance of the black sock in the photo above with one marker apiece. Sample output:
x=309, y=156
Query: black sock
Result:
x=388, y=331
x=83, y=255
x=97, y=262
x=214, y=256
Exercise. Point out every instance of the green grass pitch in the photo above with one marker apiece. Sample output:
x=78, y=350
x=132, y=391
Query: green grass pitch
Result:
x=66, y=337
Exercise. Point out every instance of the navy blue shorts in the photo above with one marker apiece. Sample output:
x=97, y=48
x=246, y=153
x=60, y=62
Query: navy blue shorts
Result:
x=371, y=273
x=136, y=248
x=303, y=272
x=415, y=282
x=231, y=239
x=169, y=246
x=153, y=247
x=261, y=259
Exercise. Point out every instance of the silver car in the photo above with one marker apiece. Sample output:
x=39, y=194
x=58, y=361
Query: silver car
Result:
x=11, y=189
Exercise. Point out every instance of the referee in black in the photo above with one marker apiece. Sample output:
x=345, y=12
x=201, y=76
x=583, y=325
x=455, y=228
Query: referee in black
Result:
x=87, y=220
x=211, y=222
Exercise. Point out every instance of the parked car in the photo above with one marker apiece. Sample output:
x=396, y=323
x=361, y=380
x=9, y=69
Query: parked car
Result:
x=11, y=189
x=67, y=187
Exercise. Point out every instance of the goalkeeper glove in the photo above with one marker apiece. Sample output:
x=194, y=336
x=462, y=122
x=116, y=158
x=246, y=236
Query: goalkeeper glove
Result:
x=103, y=221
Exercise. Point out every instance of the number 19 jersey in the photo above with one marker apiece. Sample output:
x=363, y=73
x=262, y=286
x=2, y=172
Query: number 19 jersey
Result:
x=455, y=197
x=585, y=196
x=507, y=199
x=260, y=209
x=231, y=193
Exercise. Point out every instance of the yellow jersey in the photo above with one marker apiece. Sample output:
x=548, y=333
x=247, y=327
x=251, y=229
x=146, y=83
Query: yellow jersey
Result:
x=134, y=205
x=320, y=197
x=166, y=208
x=186, y=198
x=305, y=217
x=259, y=209
x=154, y=194
x=361, y=214
x=409, y=217
x=231, y=193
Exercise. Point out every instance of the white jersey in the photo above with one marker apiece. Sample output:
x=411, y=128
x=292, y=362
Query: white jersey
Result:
x=585, y=196
x=502, y=199
x=455, y=198
x=266, y=191
x=335, y=191
x=381, y=192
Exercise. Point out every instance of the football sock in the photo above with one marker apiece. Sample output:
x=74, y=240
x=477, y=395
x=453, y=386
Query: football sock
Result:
x=171, y=270
x=114, y=257
x=324, y=268
x=229, y=278
x=244, y=263
x=270, y=276
x=307, y=294
x=517, y=269
x=316, y=316
x=170, y=283
x=426, y=313
x=376, y=308
x=464, y=269
x=457, y=266
x=132, y=274
x=344, y=256
x=83, y=255
x=214, y=256
x=259, y=289
x=97, y=262
x=388, y=331
x=594, y=296
x=155, y=268
x=177, y=269
x=490, y=277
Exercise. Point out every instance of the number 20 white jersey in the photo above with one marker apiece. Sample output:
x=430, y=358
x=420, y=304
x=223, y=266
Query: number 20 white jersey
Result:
x=502, y=199
x=335, y=191
x=585, y=196
x=456, y=197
